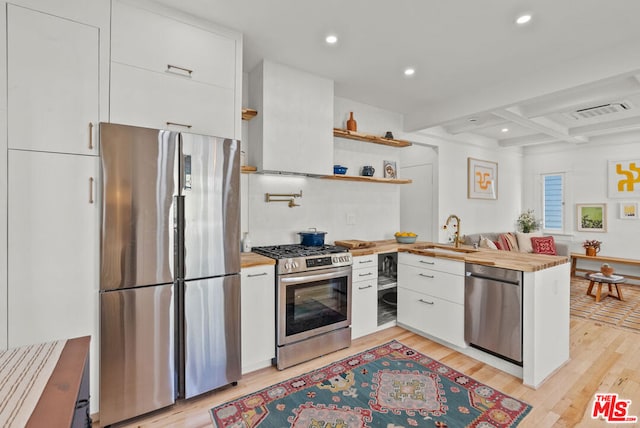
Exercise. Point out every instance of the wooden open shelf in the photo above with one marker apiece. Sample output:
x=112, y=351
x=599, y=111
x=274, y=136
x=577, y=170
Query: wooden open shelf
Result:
x=353, y=135
x=248, y=113
x=246, y=169
x=368, y=179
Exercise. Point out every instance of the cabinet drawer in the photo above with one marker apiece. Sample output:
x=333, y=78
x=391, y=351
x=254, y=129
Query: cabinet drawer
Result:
x=439, y=284
x=155, y=42
x=433, y=316
x=142, y=98
x=365, y=261
x=436, y=263
x=364, y=274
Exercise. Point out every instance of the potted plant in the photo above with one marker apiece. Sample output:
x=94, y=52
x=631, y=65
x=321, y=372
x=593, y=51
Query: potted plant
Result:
x=592, y=246
x=527, y=222
x=606, y=269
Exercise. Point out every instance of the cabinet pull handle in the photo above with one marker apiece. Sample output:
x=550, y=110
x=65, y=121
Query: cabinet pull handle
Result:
x=365, y=287
x=427, y=263
x=91, y=180
x=184, y=125
x=90, y=136
x=424, y=275
x=171, y=67
x=365, y=261
x=365, y=274
x=425, y=301
x=256, y=274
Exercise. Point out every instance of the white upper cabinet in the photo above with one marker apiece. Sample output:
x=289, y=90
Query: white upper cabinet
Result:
x=181, y=105
x=154, y=42
x=171, y=70
x=293, y=131
x=53, y=83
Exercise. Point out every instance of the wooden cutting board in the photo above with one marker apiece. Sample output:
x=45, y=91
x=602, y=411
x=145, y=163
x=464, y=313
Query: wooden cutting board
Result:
x=355, y=243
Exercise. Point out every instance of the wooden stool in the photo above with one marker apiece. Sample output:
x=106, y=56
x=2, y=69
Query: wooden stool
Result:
x=600, y=279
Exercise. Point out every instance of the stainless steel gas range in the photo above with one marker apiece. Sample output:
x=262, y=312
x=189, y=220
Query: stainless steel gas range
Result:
x=313, y=301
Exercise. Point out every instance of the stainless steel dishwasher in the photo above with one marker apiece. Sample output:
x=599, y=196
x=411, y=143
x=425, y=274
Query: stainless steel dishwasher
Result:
x=493, y=311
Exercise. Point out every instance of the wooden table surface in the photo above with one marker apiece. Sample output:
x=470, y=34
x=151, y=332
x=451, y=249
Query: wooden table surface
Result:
x=57, y=403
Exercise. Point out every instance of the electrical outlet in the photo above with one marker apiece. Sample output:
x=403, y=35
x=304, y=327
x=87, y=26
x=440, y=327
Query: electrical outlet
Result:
x=351, y=219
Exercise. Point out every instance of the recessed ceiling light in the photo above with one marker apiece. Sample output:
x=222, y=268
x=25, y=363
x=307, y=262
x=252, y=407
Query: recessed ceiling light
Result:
x=505, y=130
x=523, y=19
x=331, y=39
x=409, y=71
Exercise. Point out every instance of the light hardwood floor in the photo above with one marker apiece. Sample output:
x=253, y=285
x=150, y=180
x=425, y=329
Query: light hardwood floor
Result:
x=603, y=359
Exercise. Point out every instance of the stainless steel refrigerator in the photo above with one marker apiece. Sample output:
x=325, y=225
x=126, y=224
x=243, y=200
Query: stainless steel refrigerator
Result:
x=170, y=263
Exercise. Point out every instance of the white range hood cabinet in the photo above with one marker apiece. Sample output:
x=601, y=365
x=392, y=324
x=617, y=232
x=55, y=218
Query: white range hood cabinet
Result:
x=293, y=131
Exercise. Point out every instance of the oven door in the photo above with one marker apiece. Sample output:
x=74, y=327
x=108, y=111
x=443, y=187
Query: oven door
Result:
x=312, y=303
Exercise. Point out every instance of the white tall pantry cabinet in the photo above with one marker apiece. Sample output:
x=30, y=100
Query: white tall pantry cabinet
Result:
x=56, y=74
x=55, y=65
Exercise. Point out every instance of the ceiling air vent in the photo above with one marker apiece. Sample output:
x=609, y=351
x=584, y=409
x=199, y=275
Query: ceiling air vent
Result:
x=601, y=110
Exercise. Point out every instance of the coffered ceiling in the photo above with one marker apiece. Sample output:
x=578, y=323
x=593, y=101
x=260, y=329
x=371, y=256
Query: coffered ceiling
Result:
x=571, y=75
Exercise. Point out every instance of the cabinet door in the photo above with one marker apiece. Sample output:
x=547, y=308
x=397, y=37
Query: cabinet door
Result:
x=364, y=307
x=157, y=43
x=431, y=315
x=154, y=100
x=53, y=241
x=258, y=317
x=52, y=71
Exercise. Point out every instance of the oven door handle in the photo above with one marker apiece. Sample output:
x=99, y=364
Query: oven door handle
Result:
x=315, y=276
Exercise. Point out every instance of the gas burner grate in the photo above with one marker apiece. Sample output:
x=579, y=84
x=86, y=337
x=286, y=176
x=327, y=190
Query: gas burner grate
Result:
x=297, y=250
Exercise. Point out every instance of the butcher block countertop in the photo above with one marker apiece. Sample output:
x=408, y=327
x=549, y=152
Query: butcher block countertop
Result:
x=526, y=262
x=248, y=260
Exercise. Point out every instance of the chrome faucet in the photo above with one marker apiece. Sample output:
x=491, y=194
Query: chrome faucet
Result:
x=456, y=237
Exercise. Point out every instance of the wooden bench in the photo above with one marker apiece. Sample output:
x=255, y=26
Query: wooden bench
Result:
x=602, y=259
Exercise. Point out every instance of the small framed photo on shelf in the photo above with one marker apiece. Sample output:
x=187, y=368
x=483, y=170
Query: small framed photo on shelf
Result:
x=628, y=210
x=390, y=169
x=592, y=217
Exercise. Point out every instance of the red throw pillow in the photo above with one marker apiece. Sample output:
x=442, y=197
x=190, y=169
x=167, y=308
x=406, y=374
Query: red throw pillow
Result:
x=498, y=246
x=543, y=245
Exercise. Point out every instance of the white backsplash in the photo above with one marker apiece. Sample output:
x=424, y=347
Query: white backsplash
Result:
x=326, y=205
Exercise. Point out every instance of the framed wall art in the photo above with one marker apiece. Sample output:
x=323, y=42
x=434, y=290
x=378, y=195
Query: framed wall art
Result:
x=628, y=210
x=482, y=179
x=624, y=178
x=591, y=217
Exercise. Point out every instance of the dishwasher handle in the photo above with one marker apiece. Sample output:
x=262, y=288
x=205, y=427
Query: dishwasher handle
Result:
x=489, y=278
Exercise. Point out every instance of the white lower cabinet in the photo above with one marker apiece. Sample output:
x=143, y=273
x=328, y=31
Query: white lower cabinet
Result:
x=364, y=295
x=258, y=317
x=432, y=301
x=53, y=238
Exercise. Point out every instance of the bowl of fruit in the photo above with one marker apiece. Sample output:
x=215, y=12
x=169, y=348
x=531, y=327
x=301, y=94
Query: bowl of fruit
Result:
x=406, y=237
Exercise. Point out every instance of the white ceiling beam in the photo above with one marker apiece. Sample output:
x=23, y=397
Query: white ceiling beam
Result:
x=527, y=140
x=620, y=125
x=465, y=125
x=552, y=131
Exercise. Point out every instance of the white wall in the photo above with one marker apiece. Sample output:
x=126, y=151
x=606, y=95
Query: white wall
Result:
x=586, y=168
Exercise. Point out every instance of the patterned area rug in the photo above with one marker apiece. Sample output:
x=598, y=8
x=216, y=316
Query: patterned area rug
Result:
x=625, y=314
x=391, y=386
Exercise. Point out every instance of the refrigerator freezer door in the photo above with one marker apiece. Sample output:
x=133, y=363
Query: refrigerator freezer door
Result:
x=211, y=334
x=139, y=179
x=210, y=184
x=137, y=352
